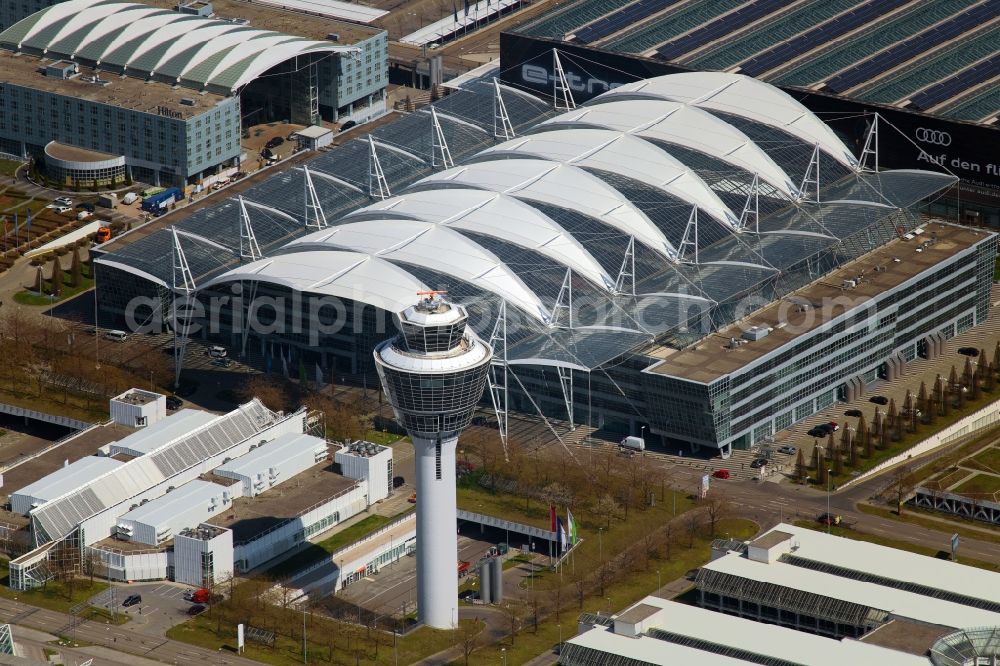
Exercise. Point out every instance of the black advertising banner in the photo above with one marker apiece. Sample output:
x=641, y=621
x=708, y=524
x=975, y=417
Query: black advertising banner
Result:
x=907, y=140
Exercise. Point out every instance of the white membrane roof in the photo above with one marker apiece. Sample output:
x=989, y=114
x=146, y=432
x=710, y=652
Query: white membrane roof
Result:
x=687, y=126
x=743, y=96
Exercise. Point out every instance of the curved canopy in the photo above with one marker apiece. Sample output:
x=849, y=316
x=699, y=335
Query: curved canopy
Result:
x=560, y=185
x=353, y=275
x=431, y=246
x=147, y=42
x=496, y=215
x=623, y=154
x=686, y=126
x=742, y=96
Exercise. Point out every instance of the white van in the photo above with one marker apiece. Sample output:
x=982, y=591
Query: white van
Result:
x=116, y=335
x=129, y=198
x=217, y=352
x=631, y=443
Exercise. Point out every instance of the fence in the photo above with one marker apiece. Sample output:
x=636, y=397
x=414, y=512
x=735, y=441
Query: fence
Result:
x=64, y=421
x=978, y=420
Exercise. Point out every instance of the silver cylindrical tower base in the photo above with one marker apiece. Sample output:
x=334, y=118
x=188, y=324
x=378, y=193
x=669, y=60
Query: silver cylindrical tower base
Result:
x=437, y=532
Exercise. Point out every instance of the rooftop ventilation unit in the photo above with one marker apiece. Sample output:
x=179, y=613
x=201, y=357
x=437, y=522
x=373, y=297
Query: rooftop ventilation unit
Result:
x=755, y=333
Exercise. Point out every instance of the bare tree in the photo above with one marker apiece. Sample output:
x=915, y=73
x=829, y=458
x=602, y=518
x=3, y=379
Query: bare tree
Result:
x=693, y=521
x=468, y=638
x=716, y=508
x=903, y=481
x=607, y=508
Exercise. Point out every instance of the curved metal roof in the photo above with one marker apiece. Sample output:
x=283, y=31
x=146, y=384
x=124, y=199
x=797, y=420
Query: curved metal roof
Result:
x=623, y=154
x=739, y=95
x=149, y=42
x=683, y=125
x=438, y=248
x=351, y=275
x=560, y=185
x=497, y=215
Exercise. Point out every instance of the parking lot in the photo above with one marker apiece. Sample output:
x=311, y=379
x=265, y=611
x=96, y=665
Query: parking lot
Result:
x=162, y=606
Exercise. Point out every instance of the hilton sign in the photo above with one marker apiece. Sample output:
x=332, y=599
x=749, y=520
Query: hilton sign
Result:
x=168, y=112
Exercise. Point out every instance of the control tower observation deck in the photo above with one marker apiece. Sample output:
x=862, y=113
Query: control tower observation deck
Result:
x=434, y=375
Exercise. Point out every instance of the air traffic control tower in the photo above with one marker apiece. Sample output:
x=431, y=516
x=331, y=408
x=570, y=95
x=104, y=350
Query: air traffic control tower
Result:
x=434, y=374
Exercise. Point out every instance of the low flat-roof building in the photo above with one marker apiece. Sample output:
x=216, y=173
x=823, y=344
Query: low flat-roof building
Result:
x=187, y=506
x=163, y=432
x=817, y=599
x=60, y=482
x=274, y=462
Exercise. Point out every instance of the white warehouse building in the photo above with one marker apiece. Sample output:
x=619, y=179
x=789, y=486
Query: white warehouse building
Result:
x=161, y=433
x=60, y=482
x=279, y=460
x=187, y=506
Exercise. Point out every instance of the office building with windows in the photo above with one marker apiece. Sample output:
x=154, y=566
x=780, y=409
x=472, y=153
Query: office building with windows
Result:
x=160, y=95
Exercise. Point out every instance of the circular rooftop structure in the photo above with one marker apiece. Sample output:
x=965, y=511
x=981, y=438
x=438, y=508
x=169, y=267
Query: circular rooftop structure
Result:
x=969, y=647
x=70, y=165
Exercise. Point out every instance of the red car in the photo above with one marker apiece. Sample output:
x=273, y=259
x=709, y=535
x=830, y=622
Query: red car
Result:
x=721, y=473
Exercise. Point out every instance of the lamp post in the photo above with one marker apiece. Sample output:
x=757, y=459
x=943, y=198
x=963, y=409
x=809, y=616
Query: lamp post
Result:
x=503, y=655
x=659, y=583
x=829, y=518
x=560, y=638
x=600, y=542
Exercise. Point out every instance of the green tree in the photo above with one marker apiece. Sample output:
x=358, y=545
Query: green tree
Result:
x=57, y=278
x=75, y=277
x=801, y=472
x=838, y=462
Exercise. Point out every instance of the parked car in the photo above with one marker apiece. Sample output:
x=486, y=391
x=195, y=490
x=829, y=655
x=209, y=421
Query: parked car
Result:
x=103, y=235
x=412, y=499
x=853, y=412
x=829, y=519
x=398, y=481
x=274, y=142
x=174, y=403
x=60, y=208
x=788, y=449
x=834, y=426
x=63, y=201
x=216, y=351
x=968, y=351
x=879, y=400
x=348, y=125
x=822, y=430
x=197, y=609
x=201, y=596
x=83, y=215
x=758, y=463
x=83, y=205
x=132, y=600
x=222, y=362
x=721, y=474
x=129, y=198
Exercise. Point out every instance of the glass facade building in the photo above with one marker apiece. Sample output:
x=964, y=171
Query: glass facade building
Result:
x=611, y=234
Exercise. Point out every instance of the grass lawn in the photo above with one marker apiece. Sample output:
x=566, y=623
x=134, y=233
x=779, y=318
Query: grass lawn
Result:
x=58, y=596
x=350, y=644
x=894, y=543
x=9, y=167
x=382, y=437
x=989, y=459
x=75, y=406
x=320, y=549
x=920, y=516
x=27, y=297
x=980, y=484
x=633, y=587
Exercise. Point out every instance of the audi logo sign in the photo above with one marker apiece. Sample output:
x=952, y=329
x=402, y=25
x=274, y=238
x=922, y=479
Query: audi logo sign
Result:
x=935, y=137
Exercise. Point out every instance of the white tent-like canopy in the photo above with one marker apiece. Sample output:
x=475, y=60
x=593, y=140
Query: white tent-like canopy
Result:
x=742, y=96
x=148, y=42
x=675, y=123
x=619, y=153
x=492, y=214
